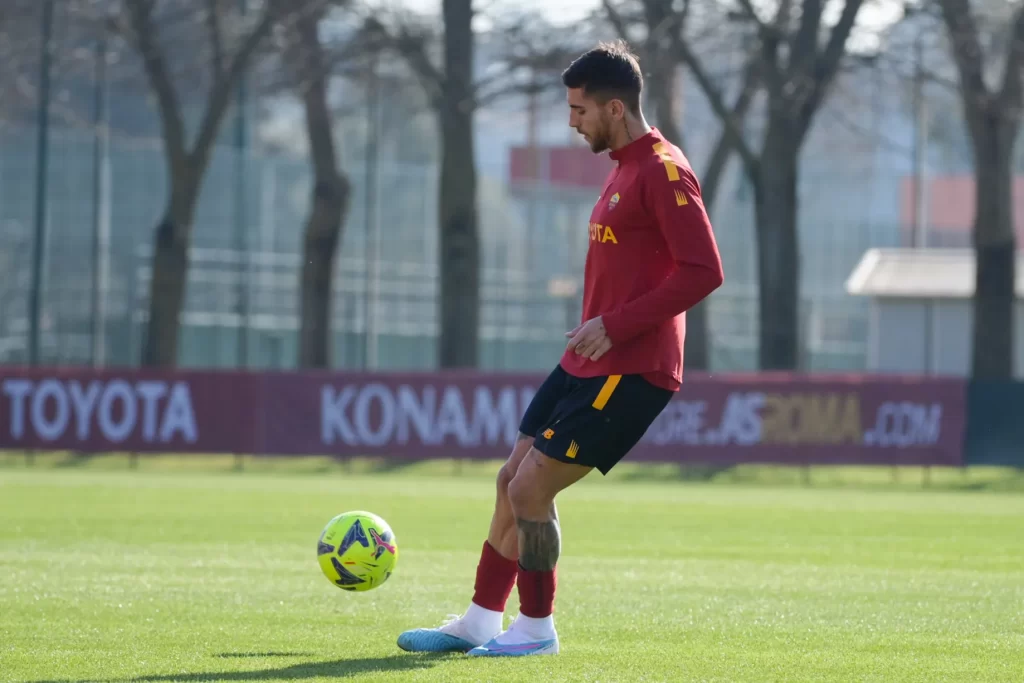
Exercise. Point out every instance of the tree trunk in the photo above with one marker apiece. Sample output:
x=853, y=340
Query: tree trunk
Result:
x=664, y=96
x=698, y=346
x=320, y=247
x=170, y=270
x=778, y=250
x=328, y=202
x=995, y=249
x=663, y=25
x=457, y=208
x=185, y=169
x=663, y=93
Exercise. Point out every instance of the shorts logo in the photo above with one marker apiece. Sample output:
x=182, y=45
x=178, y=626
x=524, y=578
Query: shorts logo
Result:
x=574, y=449
x=548, y=433
x=613, y=202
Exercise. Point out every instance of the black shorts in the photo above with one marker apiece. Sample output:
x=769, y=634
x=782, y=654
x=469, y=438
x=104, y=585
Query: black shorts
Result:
x=592, y=421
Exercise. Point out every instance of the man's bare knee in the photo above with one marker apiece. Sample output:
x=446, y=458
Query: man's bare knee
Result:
x=508, y=471
x=505, y=476
x=515, y=459
x=525, y=494
x=525, y=499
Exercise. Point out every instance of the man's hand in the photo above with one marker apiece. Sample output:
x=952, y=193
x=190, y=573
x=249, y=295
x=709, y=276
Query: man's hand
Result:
x=589, y=339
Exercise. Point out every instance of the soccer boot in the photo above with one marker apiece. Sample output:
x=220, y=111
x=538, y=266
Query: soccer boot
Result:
x=454, y=636
x=515, y=642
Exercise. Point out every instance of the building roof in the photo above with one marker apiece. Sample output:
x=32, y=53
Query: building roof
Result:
x=919, y=274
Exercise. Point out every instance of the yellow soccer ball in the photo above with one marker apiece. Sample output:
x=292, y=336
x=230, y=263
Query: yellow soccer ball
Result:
x=357, y=551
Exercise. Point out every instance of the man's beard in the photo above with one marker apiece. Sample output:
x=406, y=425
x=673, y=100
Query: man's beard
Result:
x=599, y=143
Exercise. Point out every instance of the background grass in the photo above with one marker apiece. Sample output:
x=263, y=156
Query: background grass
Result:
x=187, y=570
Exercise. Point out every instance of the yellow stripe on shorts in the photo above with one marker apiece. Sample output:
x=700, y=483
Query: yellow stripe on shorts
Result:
x=606, y=391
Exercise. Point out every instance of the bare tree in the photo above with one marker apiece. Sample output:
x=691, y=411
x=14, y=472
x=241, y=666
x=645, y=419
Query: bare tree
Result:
x=450, y=88
x=659, y=24
x=663, y=25
x=455, y=94
x=310, y=68
x=187, y=161
x=796, y=71
x=993, y=118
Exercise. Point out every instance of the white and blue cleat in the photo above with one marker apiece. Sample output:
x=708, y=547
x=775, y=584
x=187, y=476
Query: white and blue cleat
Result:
x=432, y=640
x=463, y=635
x=453, y=636
x=495, y=649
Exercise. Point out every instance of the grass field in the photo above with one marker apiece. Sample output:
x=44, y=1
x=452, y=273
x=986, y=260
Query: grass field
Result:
x=183, y=572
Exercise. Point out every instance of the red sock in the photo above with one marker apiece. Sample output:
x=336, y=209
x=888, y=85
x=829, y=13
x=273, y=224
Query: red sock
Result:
x=495, y=579
x=536, y=593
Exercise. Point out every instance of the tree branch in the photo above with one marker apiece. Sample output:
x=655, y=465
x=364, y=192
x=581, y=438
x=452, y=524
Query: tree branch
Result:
x=530, y=57
x=615, y=19
x=717, y=101
x=413, y=49
x=804, y=48
x=967, y=54
x=544, y=75
x=221, y=97
x=140, y=16
x=770, y=36
x=764, y=31
x=827, y=64
x=1010, y=92
x=783, y=17
x=216, y=40
x=313, y=70
x=727, y=141
x=662, y=23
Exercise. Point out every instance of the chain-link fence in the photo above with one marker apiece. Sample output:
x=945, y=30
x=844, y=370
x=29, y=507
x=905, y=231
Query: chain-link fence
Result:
x=386, y=284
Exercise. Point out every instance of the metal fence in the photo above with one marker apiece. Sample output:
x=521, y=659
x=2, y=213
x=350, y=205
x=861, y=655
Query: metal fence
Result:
x=387, y=267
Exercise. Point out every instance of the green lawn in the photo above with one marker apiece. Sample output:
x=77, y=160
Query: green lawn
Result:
x=170, y=573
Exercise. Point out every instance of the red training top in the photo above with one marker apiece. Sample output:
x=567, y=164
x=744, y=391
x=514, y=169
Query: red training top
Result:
x=652, y=256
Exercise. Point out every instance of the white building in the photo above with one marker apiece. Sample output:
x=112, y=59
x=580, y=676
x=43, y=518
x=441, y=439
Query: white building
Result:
x=920, y=311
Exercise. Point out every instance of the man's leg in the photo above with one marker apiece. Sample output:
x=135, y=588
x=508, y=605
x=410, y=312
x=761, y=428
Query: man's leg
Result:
x=532, y=496
x=594, y=427
x=503, y=535
x=498, y=566
x=495, y=576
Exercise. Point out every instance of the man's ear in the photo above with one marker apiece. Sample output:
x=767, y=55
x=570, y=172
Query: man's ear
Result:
x=617, y=109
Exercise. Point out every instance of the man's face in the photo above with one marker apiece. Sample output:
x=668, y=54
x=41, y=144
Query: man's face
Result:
x=591, y=119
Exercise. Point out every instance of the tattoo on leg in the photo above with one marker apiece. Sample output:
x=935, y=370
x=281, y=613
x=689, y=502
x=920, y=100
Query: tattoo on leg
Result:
x=539, y=544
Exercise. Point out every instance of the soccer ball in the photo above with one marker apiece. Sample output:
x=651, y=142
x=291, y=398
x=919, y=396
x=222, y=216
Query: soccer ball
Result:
x=357, y=551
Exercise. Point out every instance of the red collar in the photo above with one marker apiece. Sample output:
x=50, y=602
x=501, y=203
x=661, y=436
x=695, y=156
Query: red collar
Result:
x=638, y=149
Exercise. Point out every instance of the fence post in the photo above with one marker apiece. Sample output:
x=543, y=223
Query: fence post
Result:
x=42, y=173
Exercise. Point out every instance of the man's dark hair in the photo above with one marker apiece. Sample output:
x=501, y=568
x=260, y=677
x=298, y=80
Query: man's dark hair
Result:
x=606, y=72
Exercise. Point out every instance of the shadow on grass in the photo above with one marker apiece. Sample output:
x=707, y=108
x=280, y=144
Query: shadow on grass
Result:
x=336, y=668
x=257, y=655
x=385, y=465
x=864, y=478
x=685, y=472
x=75, y=459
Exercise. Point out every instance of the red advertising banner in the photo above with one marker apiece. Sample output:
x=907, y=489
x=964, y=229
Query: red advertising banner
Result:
x=757, y=418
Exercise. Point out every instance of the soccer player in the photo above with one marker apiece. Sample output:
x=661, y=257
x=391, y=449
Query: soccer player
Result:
x=652, y=256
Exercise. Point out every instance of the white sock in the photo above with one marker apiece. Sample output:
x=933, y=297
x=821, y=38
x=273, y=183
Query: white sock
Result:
x=529, y=629
x=482, y=623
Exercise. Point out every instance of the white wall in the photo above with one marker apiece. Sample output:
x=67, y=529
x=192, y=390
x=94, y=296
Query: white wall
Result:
x=900, y=341
x=897, y=336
